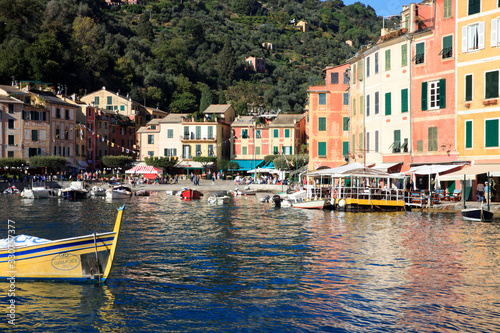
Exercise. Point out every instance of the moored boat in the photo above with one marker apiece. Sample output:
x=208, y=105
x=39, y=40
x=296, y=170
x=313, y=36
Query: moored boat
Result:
x=190, y=194
x=245, y=191
x=119, y=192
x=37, y=191
x=11, y=190
x=311, y=204
x=84, y=258
x=98, y=191
x=142, y=193
x=218, y=199
x=75, y=191
x=477, y=214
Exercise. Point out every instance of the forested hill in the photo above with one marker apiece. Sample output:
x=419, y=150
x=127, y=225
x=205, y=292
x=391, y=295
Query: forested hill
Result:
x=182, y=55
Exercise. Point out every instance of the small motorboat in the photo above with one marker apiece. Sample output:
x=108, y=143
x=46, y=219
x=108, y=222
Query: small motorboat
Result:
x=98, y=192
x=119, y=192
x=75, y=191
x=190, y=194
x=277, y=201
x=142, y=193
x=310, y=204
x=265, y=199
x=218, y=199
x=84, y=258
x=37, y=191
x=245, y=191
x=11, y=190
x=477, y=214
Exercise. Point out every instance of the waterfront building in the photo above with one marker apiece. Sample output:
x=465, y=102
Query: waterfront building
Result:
x=477, y=86
x=328, y=119
x=12, y=123
x=148, y=138
x=287, y=133
x=102, y=135
x=122, y=135
x=171, y=132
x=247, y=142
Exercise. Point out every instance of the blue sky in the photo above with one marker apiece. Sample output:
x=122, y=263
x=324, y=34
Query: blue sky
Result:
x=384, y=7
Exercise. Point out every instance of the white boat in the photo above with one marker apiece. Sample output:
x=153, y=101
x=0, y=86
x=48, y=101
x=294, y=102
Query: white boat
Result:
x=37, y=190
x=245, y=191
x=311, y=204
x=217, y=199
x=11, y=190
x=98, y=191
x=76, y=190
x=119, y=192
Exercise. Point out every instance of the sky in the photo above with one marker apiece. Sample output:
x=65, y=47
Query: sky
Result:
x=384, y=7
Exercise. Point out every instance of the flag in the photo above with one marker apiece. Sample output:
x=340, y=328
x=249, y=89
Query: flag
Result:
x=81, y=134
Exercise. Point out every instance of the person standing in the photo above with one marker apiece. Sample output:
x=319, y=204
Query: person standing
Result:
x=480, y=192
x=486, y=191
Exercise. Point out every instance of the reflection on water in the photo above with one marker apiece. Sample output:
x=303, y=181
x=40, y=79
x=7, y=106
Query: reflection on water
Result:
x=246, y=266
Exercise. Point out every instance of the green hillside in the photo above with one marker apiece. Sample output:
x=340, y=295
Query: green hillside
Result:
x=182, y=55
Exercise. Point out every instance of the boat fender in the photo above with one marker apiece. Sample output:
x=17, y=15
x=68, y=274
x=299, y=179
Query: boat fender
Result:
x=334, y=194
x=341, y=203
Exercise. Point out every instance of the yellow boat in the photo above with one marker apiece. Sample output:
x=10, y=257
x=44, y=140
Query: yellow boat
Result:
x=84, y=258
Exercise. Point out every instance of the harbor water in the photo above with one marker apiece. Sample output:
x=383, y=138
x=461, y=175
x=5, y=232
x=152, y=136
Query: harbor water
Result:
x=249, y=267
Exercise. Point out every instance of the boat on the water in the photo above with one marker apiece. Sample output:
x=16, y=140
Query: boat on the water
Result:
x=98, y=191
x=119, y=192
x=75, y=191
x=37, y=191
x=11, y=190
x=245, y=191
x=477, y=214
x=310, y=204
x=190, y=194
x=142, y=193
x=84, y=258
x=218, y=199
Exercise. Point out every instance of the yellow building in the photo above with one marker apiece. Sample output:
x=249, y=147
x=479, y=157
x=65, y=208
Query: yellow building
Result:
x=477, y=77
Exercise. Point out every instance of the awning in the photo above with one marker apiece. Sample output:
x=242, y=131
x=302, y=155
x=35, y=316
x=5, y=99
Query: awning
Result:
x=73, y=166
x=337, y=170
x=150, y=176
x=144, y=169
x=432, y=169
x=386, y=166
x=472, y=171
x=184, y=164
x=247, y=165
x=83, y=164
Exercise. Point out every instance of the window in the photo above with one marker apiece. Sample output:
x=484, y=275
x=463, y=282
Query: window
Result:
x=122, y=107
x=150, y=153
x=376, y=62
x=276, y=133
x=334, y=77
x=432, y=139
x=58, y=113
x=468, y=87
x=321, y=149
x=353, y=144
x=367, y=66
x=321, y=124
x=322, y=99
x=361, y=106
x=388, y=104
x=404, y=55
x=244, y=150
x=151, y=139
x=377, y=102
x=152, y=127
x=10, y=154
x=90, y=141
x=387, y=60
x=376, y=141
x=96, y=100
x=345, y=124
x=396, y=144
x=186, y=132
x=170, y=151
x=198, y=150
x=345, y=148
x=367, y=105
x=109, y=100
x=77, y=150
x=198, y=132
x=354, y=73
x=170, y=133
x=11, y=108
x=257, y=150
x=11, y=141
x=473, y=37
x=346, y=78
x=276, y=151
x=468, y=134
x=354, y=106
x=34, y=135
x=210, y=132
x=420, y=146
x=58, y=132
x=491, y=133
x=447, y=9
x=404, y=100
x=11, y=123
x=495, y=31
x=34, y=151
x=346, y=99
x=368, y=142
x=258, y=134
x=434, y=95
x=447, y=51
x=112, y=129
x=244, y=133
x=419, y=53
x=287, y=132
x=66, y=114
x=361, y=141
x=474, y=6
x=491, y=85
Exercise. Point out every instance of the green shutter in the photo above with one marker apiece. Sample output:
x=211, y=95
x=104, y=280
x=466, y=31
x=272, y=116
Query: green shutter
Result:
x=468, y=87
x=353, y=143
x=321, y=124
x=491, y=85
x=447, y=9
x=404, y=55
x=387, y=60
x=424, y=96
x=432, y=139
x=345, y=148
x=388, y=104
x=287, y=133
x=468, y=134
x=345, y=126
x=442, y=93
x=397, y=137
x=404, y=100
x=321, y=148
x=354, y=106
x=276, y=133
x=491, y=133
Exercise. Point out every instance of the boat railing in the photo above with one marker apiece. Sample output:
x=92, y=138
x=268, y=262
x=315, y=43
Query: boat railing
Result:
x=371, y=193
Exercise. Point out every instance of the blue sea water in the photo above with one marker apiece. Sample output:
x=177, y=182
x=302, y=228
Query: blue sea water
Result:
x=248, y=267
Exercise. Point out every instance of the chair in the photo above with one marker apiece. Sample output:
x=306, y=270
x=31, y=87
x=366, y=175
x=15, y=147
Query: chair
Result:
x=457, y=194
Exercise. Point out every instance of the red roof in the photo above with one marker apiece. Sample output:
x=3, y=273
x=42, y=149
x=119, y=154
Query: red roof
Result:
x=144, y=169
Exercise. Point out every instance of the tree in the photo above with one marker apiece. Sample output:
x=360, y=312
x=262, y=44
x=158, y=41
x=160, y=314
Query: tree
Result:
x=222, y=98
x=145, y=27
x=227, y=61
x=206, y=98
x=12, y=162
x=204, y=160
x=53, y=163
x=225, y=165
x=116, y=162
x=163, y=162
